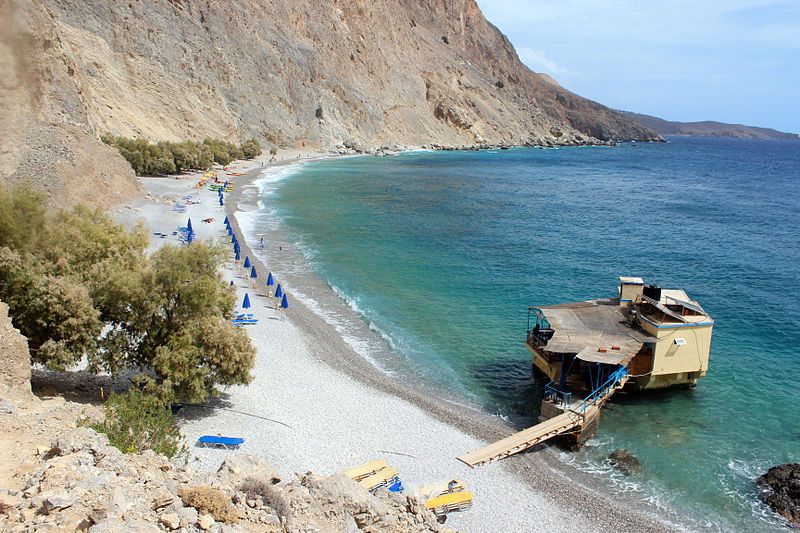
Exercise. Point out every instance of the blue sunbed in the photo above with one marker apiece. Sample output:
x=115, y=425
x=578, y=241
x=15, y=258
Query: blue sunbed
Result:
x=213, y=441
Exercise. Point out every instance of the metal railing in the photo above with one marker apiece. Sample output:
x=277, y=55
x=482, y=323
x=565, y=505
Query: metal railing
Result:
x=601, y=391
x=562, y=399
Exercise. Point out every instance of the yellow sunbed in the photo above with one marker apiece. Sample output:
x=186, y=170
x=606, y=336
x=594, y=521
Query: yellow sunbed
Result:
x=357, y=473
x=446, y=503
x=379, y=479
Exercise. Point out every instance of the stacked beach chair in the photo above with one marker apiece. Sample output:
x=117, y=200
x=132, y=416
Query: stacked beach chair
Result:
x=449, y=497
x=376, y=475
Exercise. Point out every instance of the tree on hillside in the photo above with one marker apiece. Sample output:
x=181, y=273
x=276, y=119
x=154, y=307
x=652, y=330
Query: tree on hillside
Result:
x=22, y=217
x=251, y=148
x=185, y=335
x=79, y=284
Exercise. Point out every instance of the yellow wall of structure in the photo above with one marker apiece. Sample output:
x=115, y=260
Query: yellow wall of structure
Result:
x=691, y=357
x=551, y=370
x=629, y=291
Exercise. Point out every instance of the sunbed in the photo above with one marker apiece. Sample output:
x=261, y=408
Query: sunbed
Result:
x=357, y=473
x=244, y=321
x=384, y=477
x=454, y=501
x=214, y=441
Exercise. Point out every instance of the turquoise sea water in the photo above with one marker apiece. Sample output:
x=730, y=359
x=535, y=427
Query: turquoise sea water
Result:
x=442, y=253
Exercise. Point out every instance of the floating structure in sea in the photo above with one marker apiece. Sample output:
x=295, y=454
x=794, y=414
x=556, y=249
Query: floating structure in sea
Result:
x=646, y=338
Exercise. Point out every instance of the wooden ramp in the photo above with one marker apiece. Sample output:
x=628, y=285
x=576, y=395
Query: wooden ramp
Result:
x=522, y=440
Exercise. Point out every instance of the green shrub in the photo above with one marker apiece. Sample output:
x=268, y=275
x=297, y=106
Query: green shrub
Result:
x=165, y=158
x=136, y=422
x=79, y=285
x=251, y=148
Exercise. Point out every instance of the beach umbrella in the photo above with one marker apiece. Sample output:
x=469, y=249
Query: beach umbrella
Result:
x=189, y=225
x=237, y=256
x=284, y=302
x=246, y=301
x=221, y=203
x=247, y=261
x=227, y=222
x=253, y=272
x=233, y=237
x=278, y=291
x=236, y=247
x=270, y=280
x=230, y=231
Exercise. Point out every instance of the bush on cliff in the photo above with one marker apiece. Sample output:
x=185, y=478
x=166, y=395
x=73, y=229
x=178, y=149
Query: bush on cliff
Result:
x=135, y=422
x=153, y=159
x=79, y=285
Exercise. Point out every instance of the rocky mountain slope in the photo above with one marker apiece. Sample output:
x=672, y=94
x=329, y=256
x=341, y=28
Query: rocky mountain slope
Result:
x=708, y=128
x=362, y=73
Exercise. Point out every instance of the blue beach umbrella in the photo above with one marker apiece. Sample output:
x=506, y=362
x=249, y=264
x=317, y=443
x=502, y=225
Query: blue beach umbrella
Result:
x=278, y=291
x=233, y=237
x=270, y=280
x=253, y=272
x=246, y=301
x=230, y=231
x=189, y=225
x=247, y=261
x=227, y=222
x=236, y=247
x=237, y=256
x=284, y=302
x=221, y=203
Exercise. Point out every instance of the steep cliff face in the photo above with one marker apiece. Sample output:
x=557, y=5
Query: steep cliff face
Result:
x=292, y=72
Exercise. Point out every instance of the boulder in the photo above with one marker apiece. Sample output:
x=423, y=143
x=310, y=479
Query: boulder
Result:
x=239, y=466
x=170, y=520
x=57, y=502
x=206, y=521
x=781, y=490
x=80, y=439
x=15, y=372
x=625, y=462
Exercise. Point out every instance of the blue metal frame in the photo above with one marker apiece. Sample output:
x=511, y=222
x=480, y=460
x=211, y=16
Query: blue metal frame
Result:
x=564, y=398
x=612, y=380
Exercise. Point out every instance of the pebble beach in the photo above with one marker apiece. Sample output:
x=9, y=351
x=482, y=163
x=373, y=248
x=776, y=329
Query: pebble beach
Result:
x=317, y=405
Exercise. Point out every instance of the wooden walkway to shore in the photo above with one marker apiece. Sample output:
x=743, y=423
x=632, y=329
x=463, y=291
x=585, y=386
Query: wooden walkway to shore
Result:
x=523, y=440
x=577, y=416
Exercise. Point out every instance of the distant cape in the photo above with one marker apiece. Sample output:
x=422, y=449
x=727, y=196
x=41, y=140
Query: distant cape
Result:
x=707, y=128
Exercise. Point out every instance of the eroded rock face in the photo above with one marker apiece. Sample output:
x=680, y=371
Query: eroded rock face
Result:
x=15, y=363
x=83, y=483
x=290, y=72
x=781, y=490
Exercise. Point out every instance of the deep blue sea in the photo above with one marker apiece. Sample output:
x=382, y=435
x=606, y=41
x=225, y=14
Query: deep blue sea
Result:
x=439, y=256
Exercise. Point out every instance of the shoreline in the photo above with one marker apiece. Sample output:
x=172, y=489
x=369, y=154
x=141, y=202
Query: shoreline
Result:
x=474, y=422
x=569, y=499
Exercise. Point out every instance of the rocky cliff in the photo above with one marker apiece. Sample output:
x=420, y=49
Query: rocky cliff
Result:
x=365, y=73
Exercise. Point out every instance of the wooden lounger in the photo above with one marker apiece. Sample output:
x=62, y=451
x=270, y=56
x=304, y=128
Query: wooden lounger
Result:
x=357, y=473
x=446, y=503
x=382, y=478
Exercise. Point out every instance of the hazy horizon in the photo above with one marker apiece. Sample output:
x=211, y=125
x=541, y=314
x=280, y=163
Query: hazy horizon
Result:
x=679, y=60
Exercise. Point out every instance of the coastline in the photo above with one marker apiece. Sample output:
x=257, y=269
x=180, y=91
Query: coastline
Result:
x=376, y=412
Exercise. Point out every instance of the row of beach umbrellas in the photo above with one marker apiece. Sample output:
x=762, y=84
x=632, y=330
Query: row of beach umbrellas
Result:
x=279, y=292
